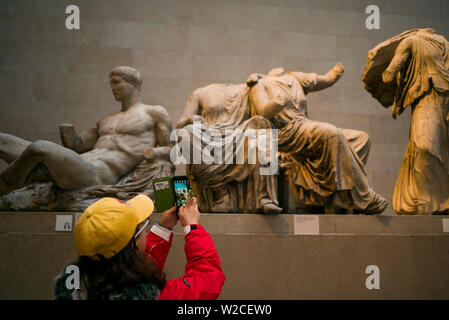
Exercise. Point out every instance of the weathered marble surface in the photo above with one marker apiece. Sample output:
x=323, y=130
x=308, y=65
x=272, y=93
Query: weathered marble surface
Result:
x=227, y=187
x=325, y=165
x=412, y=70
x=119, y=156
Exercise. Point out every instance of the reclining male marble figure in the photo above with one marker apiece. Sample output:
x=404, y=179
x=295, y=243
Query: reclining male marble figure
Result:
x=107, y=159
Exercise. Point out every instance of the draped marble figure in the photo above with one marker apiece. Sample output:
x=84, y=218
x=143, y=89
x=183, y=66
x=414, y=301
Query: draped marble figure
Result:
x=236, y=187
x=325, y=164
x=412, y=70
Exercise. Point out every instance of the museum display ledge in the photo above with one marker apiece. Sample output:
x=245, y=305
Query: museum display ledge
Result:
x=257, y=224
x=303, y=256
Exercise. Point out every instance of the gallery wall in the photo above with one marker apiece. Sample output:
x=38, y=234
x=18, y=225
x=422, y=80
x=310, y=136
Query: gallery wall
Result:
x=50, y=75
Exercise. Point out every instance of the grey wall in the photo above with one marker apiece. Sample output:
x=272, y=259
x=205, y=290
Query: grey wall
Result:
x=50, y=75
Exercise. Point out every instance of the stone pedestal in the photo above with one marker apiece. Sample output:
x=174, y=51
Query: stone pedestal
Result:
x=263, y=256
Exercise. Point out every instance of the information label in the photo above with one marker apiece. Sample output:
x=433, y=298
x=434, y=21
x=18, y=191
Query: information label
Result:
x=307, y=224
x=64, y=223
x=446, y=225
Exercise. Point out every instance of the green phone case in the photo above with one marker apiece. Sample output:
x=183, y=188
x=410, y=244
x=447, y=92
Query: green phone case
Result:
x=163, y=194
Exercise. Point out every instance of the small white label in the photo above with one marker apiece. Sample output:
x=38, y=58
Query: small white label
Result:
x=307, y=224
x=446, y=225
x=64, y=223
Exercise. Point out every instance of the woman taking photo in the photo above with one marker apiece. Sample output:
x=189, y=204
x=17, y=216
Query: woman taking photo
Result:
x=118, y=260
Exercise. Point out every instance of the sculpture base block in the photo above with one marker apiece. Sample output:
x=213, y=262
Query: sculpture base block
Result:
x=263, y=256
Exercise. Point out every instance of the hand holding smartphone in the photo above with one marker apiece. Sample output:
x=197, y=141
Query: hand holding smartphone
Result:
x=189, y=214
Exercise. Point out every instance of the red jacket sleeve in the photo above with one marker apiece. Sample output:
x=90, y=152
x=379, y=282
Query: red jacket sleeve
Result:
x=203, y=277
x=157, y=248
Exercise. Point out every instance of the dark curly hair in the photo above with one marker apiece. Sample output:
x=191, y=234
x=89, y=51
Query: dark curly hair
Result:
x=129, y=268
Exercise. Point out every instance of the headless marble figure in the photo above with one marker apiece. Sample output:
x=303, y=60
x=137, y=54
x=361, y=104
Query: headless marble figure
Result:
x=411, y=70
x=325, y=163
x=99, y=156
x=228, y=187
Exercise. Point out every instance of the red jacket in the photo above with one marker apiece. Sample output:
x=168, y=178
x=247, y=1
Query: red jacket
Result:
x=203, y=277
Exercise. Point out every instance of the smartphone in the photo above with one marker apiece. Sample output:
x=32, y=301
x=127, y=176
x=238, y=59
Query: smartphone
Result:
x=181, y=187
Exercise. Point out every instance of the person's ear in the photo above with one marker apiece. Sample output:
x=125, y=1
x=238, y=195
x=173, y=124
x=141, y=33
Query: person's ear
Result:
x=134, y=244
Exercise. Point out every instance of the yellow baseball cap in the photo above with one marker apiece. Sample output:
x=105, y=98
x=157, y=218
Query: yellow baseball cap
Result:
x=108, y=225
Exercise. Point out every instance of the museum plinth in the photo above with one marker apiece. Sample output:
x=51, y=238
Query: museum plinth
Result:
x=263, y=256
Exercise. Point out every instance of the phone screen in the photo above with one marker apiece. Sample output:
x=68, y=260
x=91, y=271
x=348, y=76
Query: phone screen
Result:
x=181, y=191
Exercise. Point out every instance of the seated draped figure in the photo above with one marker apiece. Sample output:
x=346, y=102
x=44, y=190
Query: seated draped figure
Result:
x=324, y=164
x=105, y=160
x=412, y=70
x=233, y=186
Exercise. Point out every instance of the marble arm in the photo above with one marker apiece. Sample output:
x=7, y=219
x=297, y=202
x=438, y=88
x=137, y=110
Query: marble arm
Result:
x=325, y=81
x=397, y=63
x=191, y=111
x=162, y=133
x=186, y=121
x=400, y=57
x=157, y=153
x=81, y=143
